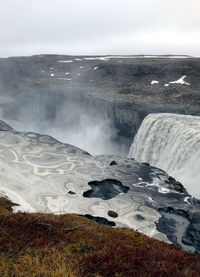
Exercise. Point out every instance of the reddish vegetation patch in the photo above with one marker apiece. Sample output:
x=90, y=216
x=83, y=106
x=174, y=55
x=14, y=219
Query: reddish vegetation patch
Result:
x=69, y=245
x=34, y=231
x=123, y=260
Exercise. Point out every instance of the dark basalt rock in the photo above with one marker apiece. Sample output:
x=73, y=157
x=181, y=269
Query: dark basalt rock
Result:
x=192, y=234
x=5, y=203
x=113, y=163
x=176, y=185
x=105, y=189
x=113, y=214
x=171, y=179
x=71, y=192
x=145, y=163
x=100, y=220
x=189, y=219
x=139, y=217
x=179, y=187
x=4, y=126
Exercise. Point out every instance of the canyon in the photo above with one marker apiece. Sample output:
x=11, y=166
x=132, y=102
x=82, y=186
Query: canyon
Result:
x=68, y=123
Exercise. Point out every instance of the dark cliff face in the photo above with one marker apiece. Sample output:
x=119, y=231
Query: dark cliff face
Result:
x=115, y=88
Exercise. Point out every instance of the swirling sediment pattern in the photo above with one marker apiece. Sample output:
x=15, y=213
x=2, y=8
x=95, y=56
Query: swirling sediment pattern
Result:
x=38, y=172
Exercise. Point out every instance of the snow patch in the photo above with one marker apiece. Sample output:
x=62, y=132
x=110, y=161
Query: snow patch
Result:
x=146, y=56
x=180, y=81
x=66, y=79
x=178, y=57
x=165, y=57
x=106, y=58
x=97, y=58
x=154, y=82
x=68, y=61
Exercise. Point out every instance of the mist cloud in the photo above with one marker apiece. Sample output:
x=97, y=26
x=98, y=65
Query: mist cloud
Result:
x=82, y=128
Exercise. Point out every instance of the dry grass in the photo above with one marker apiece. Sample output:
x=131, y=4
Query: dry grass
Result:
x=73, y=246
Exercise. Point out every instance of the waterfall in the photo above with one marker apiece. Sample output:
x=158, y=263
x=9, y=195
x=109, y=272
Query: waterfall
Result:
x=171, y=142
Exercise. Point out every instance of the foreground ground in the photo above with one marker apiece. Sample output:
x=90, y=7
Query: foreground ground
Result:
x=70, y=245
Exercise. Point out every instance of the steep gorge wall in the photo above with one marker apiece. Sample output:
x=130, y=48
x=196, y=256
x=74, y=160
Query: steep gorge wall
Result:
x=61, y=89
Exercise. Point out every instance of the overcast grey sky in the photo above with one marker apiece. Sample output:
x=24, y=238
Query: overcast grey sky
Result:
x=91, y=27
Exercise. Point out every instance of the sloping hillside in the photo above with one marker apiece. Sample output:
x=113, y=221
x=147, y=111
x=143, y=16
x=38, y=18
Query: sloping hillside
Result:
x=73, y=246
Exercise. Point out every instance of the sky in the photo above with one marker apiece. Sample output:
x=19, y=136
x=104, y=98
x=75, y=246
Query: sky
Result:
x=99, y=27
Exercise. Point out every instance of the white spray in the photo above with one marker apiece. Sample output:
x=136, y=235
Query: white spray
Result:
x=171, y=142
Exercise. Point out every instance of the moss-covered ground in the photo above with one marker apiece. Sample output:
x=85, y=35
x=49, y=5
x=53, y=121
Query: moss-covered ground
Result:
x=73, y=246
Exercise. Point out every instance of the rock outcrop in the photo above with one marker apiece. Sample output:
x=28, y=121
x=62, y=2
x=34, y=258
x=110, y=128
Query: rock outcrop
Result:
x=42, y=174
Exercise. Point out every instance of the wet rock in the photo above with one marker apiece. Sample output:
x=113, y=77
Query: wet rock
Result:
x=171, y=179
x=113, y=214
x=176, y=185
x=71, y=192
x=113, y=163
x=168, y=224
x=100, y=220
x=105, y=189
x=145, y=163
x=139, y=217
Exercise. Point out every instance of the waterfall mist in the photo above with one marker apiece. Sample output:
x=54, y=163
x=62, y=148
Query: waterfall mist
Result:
x=66, y=119
x=171, y=142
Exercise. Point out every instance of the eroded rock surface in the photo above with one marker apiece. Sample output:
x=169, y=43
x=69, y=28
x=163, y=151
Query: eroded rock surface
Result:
x=38, y=172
